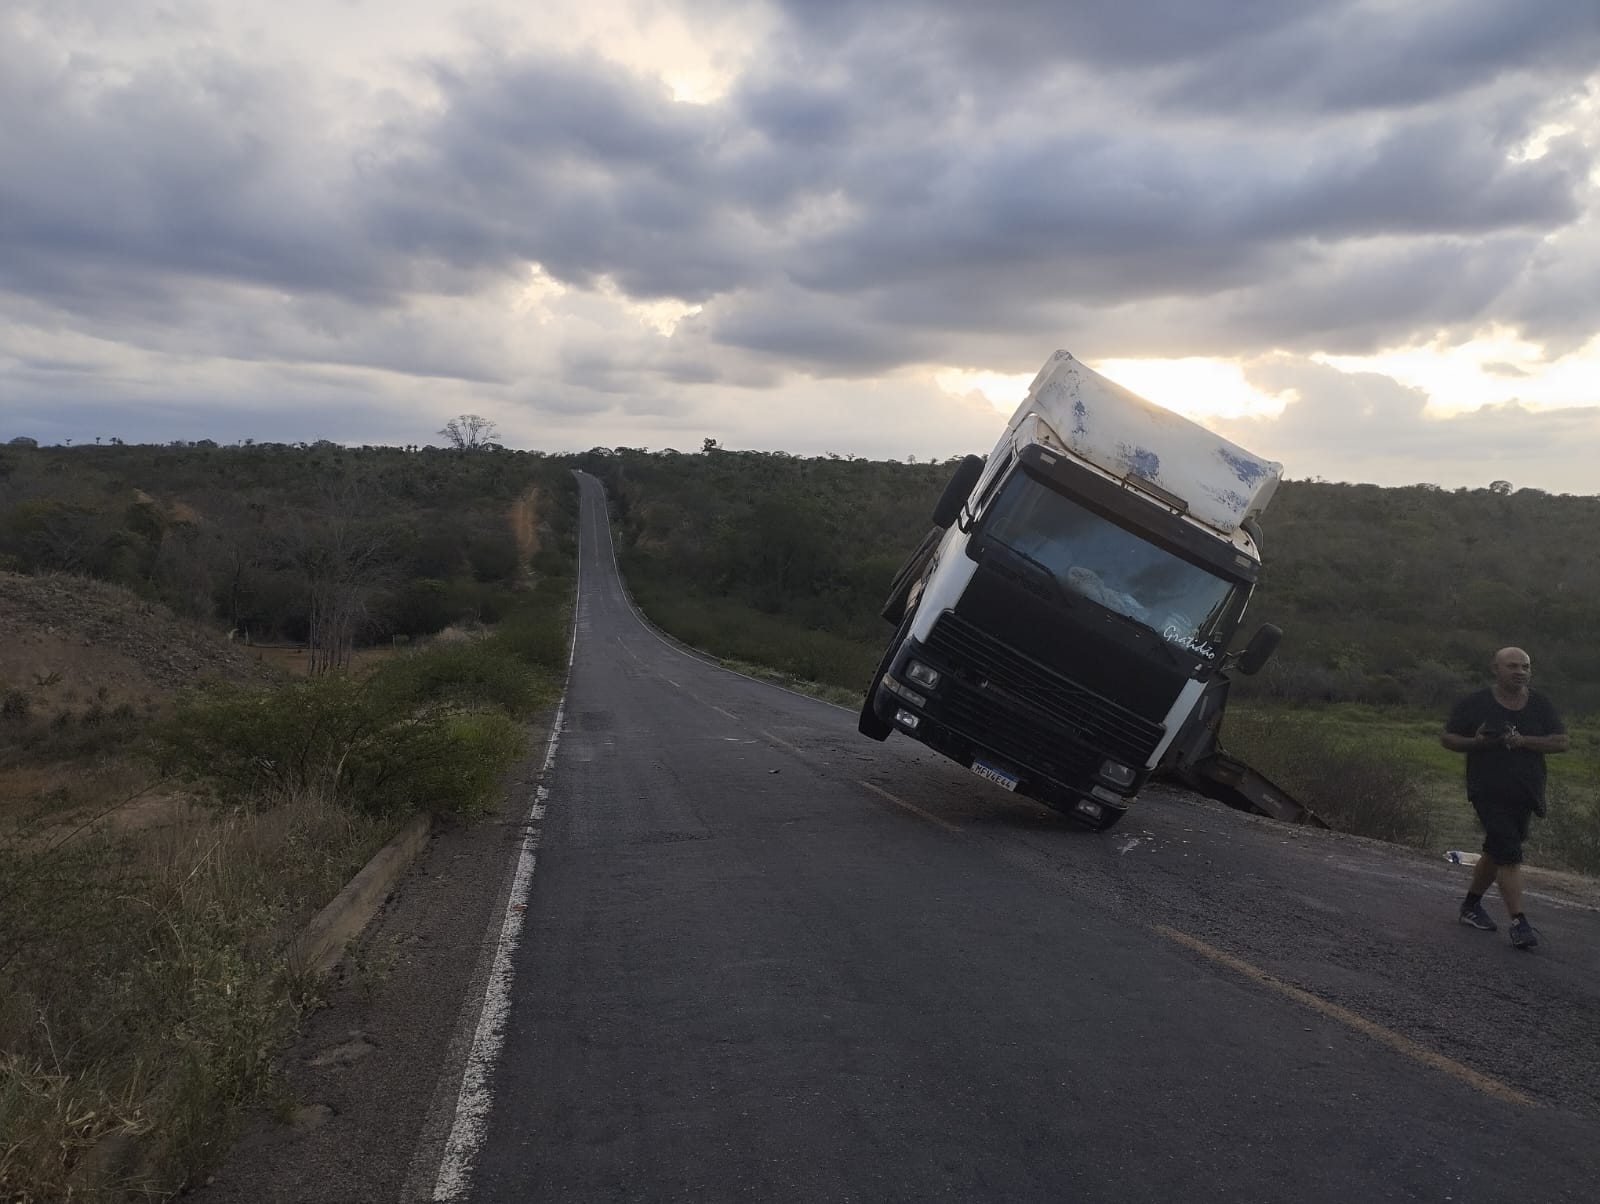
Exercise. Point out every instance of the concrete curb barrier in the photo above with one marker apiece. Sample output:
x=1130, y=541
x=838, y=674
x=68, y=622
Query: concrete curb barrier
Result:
x=322, y=942
x=115, y=1158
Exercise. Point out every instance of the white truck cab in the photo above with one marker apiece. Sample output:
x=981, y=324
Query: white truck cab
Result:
x=1077, y=596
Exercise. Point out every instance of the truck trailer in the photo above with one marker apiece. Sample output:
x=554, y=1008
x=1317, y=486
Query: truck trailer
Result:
x=1064, y=628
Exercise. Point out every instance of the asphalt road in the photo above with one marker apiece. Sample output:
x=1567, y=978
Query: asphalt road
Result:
x=746, y=954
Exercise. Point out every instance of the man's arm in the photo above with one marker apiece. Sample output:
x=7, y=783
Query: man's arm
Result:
x=1553, y=740
x=1540, y=744
x=1456, y=742
x=1460, y=733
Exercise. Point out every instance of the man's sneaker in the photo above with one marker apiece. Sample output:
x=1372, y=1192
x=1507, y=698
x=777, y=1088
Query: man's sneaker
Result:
x=1476, y=917
x=1524, y=935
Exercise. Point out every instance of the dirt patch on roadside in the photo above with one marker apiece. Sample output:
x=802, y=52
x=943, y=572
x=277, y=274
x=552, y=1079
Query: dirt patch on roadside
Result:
x=71, y=641
x=524, y=518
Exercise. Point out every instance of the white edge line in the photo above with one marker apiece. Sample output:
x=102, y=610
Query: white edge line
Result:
x=476, y=1097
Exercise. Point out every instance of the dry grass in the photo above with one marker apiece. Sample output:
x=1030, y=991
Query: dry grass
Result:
x=147, y=988
x=295, y=662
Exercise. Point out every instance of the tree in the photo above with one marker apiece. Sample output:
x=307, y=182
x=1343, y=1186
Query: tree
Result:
x=470, y=432
x=343, y=555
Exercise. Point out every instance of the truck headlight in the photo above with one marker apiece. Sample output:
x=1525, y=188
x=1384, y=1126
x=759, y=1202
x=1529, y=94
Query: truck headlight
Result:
x=923, y=675
x=1117, y=773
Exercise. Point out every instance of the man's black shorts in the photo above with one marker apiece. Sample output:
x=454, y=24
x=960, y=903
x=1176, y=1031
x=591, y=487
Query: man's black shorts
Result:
x=1505, y=827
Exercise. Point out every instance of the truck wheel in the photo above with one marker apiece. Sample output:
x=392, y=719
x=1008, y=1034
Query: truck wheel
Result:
x=869, y=724
x=1110, y=821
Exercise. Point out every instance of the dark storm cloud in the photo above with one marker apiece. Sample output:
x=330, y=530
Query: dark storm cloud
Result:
x=888, y=183
x=1377, y=56
x=1013, y=37
x=118, y=185
x=584, y=168
x=1276, y=58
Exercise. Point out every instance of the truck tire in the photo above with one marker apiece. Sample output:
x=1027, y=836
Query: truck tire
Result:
x=869, y=724
x=1109, y=822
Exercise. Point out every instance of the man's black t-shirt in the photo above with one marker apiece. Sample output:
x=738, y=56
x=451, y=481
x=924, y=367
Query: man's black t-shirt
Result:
x=1508, y=775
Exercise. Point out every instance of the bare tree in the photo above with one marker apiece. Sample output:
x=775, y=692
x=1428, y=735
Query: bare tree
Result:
x=343, y=555
x=470, y=432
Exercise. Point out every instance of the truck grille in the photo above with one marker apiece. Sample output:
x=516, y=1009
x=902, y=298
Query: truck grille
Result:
x=1001, y=690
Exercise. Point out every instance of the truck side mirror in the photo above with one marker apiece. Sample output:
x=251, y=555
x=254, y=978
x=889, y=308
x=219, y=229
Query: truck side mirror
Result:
x=1260, y=649
x=957, y=491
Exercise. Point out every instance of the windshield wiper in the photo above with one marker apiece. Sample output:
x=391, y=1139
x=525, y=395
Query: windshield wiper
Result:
x=1058, y=591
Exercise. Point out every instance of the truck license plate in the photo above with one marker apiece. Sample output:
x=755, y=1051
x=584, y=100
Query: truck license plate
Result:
x=997, y=776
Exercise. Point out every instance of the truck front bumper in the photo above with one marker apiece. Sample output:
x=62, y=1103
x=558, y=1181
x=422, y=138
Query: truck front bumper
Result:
x=1044, y=765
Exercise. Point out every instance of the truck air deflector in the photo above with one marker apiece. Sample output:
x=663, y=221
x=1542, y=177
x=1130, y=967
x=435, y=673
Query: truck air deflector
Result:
x=1113, y=428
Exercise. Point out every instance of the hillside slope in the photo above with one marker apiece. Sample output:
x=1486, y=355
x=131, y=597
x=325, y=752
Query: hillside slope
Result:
x=71, y=641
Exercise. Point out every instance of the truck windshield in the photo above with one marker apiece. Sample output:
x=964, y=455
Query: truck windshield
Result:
x=1092, y=557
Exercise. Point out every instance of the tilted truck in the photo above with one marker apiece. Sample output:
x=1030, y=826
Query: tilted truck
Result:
x=1063, y=629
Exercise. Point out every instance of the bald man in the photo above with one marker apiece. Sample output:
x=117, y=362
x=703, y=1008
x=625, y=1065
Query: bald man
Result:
x=1505, y=732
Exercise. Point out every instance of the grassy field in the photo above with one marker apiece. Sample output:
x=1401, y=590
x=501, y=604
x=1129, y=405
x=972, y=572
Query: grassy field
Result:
x=1323, y=753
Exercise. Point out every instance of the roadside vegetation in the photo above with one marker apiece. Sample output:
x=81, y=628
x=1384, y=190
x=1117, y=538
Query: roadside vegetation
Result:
x=173, y=810
x=1391, y=601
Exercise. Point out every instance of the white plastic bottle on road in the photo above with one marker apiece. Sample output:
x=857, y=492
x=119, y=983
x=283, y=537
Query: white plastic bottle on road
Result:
x=1457, y=857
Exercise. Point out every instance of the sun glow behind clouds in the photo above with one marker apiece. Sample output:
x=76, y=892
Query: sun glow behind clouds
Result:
x=1004, y=391
x=1493, y=369
x=1194, y=387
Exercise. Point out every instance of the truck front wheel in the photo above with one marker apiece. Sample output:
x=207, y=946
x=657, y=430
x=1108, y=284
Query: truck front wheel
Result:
x=1109, y=820
x=869, y=724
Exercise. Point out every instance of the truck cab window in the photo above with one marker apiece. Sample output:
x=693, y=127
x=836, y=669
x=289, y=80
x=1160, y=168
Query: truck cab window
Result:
x=1092, y=557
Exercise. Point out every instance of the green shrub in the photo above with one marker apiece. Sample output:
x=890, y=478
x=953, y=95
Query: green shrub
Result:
x=379, y=748
x=266, y=746
x=1569, y=835
x=447, y=760
x=535, y=635
x=472, y=674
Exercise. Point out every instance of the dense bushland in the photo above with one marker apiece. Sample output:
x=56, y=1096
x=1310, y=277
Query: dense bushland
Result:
x=323, y=545
x=1386, y=596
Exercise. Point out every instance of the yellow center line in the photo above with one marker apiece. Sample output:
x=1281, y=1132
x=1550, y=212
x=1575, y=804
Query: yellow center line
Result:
x=1402, y=1045
x=913, y=808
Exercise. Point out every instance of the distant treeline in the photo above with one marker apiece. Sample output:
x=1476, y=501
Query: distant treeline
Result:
x=1389, y=596
x=1386, y=596
x=314, y=543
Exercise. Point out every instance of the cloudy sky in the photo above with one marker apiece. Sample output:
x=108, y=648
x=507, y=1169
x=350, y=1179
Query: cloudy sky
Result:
x=1358, y=236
